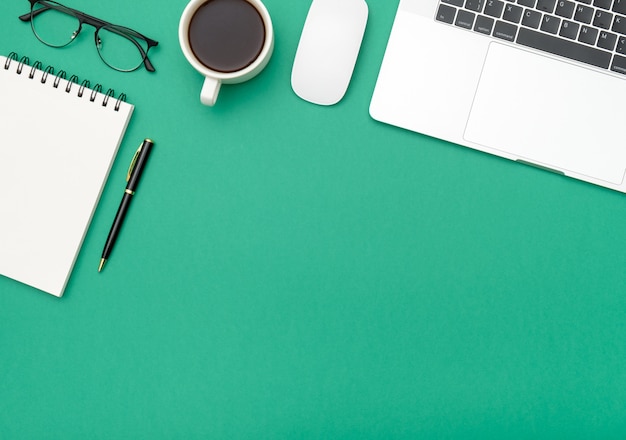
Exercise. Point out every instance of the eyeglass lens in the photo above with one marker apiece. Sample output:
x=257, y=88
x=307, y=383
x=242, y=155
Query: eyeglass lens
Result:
x=119, y=50
x=55, y=26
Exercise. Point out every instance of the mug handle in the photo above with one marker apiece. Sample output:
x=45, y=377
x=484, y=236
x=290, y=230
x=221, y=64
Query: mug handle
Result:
x=210, y=90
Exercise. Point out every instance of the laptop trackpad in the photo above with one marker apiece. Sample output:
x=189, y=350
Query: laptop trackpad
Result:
x=550, y=113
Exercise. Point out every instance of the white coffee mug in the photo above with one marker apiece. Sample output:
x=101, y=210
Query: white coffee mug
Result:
x=213, y=78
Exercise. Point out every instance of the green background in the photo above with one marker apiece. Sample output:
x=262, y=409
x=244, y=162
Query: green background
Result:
x=295, y=271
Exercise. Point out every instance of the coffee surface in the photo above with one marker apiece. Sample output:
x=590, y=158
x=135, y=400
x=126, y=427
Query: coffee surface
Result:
x=226, y=35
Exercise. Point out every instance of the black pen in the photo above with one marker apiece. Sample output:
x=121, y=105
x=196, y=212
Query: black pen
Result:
x=134, y=174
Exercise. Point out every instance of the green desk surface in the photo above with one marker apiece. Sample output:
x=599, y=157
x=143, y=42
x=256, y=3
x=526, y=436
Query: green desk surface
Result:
x=295, y=271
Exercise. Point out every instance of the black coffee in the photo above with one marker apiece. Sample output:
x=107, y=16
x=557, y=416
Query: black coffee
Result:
x=226, y=35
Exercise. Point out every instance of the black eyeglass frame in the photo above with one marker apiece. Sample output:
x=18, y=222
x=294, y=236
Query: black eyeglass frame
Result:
x=98, y=24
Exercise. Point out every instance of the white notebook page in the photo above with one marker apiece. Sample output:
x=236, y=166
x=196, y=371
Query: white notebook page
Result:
x=56, y=150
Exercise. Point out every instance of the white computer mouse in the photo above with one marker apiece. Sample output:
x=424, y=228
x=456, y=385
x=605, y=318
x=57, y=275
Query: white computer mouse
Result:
x=328, y=50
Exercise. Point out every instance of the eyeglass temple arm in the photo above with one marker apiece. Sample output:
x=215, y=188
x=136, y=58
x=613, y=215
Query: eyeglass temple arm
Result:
x=34, y=13
x=148, y=64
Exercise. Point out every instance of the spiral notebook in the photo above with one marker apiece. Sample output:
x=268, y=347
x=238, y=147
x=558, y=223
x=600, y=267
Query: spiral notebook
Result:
x=59, y=138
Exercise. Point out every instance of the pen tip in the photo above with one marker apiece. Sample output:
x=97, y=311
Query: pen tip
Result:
x=102, y=261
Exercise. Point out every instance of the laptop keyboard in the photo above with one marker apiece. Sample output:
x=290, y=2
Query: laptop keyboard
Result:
x=589, y=31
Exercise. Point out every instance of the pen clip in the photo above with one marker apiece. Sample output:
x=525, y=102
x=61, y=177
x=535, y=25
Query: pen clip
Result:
x=133, y=163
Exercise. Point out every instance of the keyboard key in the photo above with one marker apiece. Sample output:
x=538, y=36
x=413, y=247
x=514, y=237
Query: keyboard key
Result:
x=604, y=4
x=584, y=14
x=458, y=3
x=546, y=5
x=531, y=19
x=529, y=3
x=585, y=1
x=446, y=14
x=505, y=31
x=619, y=24
x=621, y=45
x=569, y=29
x=619, y=6
x=484, y=25
x=588, y=35
x=603, y=19
x=565, y=8
x=465, y=19
x=550, y=24
x=512, y=13
x=564, y=48
x=474, y=5
x=494, y=8
x=607, y=40
x=619, y=64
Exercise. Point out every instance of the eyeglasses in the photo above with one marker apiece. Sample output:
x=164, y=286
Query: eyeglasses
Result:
x=120, y=48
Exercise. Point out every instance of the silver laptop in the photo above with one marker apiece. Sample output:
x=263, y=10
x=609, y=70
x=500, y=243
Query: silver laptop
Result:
x=537, y=81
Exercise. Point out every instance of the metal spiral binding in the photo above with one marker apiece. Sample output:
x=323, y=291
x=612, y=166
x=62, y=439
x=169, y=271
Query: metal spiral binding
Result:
x=36, y=66
x=12, y=57
x=120, y=99
x=60, y=75
x=85, y=84
x=44, y=77
x=20, y=66
x=107, y=95
x=73, y=80
x=94, y=92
